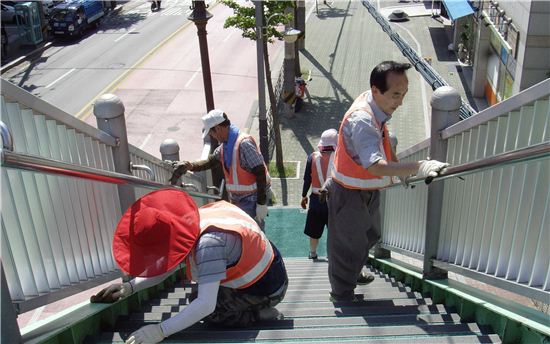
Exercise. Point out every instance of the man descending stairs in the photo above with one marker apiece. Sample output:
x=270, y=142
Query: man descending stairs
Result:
x=388, y=312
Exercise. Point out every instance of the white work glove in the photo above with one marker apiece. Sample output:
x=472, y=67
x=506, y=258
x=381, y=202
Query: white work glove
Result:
x=113, y=293
x=149, y=334
x=261, y=211
x=430, y=168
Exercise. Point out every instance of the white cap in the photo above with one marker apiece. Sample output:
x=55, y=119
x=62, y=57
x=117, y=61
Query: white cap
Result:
x=329, y=137
x=210, y=120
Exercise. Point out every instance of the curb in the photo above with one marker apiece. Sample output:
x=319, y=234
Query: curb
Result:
x=24, y=58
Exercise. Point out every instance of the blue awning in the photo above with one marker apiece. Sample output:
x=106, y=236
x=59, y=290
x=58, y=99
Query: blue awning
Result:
x=458, y=8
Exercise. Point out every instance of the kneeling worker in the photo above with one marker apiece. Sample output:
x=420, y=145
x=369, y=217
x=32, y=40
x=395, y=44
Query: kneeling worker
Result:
x=165, y=228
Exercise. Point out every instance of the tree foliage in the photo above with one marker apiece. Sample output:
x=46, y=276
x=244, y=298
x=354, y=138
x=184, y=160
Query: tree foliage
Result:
x=243, y=18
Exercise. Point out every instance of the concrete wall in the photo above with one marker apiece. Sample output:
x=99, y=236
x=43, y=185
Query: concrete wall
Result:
x=536, y=59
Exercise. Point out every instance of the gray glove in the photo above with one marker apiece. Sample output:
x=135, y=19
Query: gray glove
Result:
x=113, y=293
x=179, y=169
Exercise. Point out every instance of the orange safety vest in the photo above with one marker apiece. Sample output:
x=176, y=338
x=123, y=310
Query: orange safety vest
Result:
x=237, y=179
x=321, y=164
x=346, y=171
x=256, y=255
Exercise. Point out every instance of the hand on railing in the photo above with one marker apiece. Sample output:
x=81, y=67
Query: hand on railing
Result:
x=113, y=293
x=430, y=168
x=180, y=168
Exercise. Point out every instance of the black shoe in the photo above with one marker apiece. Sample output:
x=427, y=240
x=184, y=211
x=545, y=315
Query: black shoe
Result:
x=348, y=298
x=312, y=255
x=365, y=278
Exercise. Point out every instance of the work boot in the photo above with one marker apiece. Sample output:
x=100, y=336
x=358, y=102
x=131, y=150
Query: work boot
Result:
x=365, y=278
x=270, y=313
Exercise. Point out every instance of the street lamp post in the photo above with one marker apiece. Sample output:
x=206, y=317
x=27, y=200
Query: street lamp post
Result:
x=289, y=69
x=262, y=116
x=200, y=17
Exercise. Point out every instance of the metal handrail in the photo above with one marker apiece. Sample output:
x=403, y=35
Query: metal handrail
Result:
x=39, y=164
x=145, y=168
x=538, y=151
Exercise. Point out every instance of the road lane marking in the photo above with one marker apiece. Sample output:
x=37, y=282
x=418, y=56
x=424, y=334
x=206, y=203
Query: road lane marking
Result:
x=192, y=77
x=145, y=141
x=61, y=77
x=422, y=84
x=228, y=36
x=86, y=111
x=127, y=33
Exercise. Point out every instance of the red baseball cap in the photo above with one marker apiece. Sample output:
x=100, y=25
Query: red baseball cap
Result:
x=156, y=233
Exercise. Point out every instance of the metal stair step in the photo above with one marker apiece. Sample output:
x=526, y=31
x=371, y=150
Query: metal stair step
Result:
x=125, y=323
x=310, y=334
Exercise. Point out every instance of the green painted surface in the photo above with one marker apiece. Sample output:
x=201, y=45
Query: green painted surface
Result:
x=285, y=228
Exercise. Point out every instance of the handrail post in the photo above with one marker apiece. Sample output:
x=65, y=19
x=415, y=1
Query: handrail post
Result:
x=445, y=104
x=10, y=328
x=109, y=112
x=170, y=150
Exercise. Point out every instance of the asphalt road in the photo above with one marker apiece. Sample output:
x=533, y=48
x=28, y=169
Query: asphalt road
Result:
x=72, y=72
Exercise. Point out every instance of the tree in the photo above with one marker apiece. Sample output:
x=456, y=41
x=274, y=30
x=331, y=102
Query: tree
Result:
x=244, y=19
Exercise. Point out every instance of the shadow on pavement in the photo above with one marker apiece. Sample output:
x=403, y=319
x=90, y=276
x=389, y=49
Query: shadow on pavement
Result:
x=326, y=12
x=441, y=43
x=122, y=21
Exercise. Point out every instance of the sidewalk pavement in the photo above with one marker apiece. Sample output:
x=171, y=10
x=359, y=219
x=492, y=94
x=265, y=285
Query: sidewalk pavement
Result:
x=343, y=44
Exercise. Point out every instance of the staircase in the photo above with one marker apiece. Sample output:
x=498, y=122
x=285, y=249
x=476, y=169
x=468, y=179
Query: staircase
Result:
x=389, y=313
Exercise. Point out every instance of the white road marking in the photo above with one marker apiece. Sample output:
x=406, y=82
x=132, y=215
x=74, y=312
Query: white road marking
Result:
x=127, y=33
x=61, y=77
x=192, y=78
x=145, y=141
x=422, y=83
x=228, y=36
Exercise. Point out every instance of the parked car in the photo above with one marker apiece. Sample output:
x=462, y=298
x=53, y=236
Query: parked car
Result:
x=8, y=14
x=72, y=18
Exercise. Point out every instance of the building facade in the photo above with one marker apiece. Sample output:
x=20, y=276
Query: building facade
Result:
x=512, y=47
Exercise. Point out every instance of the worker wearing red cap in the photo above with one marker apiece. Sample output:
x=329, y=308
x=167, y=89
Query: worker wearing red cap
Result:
x=165, y=228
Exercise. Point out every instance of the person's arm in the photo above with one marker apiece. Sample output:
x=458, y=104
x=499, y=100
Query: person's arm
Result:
x=201, y=165
x=181, y=167
x=252, y=161
x=307, y=182
x=307, y=176
x=366, y=141
x=203, y=305
x=261, y=184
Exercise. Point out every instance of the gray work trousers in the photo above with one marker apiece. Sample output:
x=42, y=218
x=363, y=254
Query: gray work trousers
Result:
x=354, y=228
x=237, y=309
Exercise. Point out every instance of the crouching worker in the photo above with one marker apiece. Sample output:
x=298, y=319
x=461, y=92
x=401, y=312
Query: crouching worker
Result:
x=240, y=274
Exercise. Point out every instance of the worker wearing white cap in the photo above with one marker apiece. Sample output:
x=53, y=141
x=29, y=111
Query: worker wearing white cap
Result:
x=318, y=167
x=246, y=178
